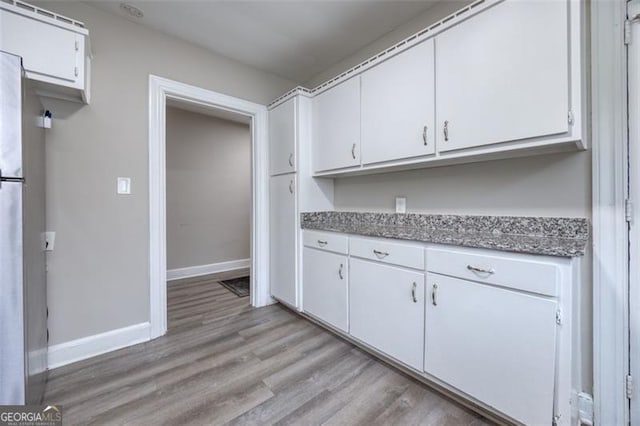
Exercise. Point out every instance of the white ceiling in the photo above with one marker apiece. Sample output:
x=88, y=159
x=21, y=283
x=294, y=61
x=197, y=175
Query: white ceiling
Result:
x=293, y=39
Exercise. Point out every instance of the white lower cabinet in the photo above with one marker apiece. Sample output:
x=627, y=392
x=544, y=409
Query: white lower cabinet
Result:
x=494, y=344
x=282, y=239
x=325, y=278
x=386, y=310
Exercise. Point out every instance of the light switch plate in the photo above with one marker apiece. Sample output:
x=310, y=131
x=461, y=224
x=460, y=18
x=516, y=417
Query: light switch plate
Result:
x=401, y=204
x=124, y=185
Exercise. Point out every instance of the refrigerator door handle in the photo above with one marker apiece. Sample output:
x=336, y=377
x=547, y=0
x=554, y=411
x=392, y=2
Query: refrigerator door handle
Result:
x=9, y=179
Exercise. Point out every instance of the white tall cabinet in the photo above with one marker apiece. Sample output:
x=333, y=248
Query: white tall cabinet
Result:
x=292, y=190
x=282, y=239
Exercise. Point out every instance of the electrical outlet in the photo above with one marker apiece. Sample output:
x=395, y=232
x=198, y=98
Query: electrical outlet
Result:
x=49, y=241
x=401, y=204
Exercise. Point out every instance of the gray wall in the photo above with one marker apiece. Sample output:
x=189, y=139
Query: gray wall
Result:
x=549, y=185
x=98, y=273
x=433, y=14
x=208, y=189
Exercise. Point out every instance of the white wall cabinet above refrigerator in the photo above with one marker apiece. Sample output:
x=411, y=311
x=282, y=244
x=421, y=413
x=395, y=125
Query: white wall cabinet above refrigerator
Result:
x=55, y=50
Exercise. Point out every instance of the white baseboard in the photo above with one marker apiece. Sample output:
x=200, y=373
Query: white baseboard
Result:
x=213, y=268
x=98, y=344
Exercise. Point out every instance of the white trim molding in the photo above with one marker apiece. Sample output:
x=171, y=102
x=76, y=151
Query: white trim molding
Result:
x=161, y=89
x=610, y=231
x=212, y=268
x=98, y=344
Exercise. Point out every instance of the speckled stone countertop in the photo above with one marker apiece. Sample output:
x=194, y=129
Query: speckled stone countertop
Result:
x=551, y=236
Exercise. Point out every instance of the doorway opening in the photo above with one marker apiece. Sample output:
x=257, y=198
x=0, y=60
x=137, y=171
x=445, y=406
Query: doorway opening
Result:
x=208, y=198
x=162, y=93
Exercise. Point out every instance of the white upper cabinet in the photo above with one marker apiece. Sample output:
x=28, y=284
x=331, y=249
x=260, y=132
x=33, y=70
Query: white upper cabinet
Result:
x=503, y=75
x=336, y=127
x=398, y=103
x=282, y=138
x=54, y=50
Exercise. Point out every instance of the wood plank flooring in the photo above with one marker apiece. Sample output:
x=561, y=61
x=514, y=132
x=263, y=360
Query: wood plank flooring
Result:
x=224, y=362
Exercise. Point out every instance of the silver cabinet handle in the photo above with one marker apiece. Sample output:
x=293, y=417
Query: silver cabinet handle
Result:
x=322, y=243
x=353, y=151
x=446, y=130
x=380, y=254
x=434, y=300
x=291, y=187
x=489, y=271
x=291, y=159
x=340, y=271
x=424, y=135
x=413, y=292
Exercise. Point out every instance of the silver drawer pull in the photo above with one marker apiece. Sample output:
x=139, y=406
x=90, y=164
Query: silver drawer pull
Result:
x=434, y=300
x=489, y=271
x=424, y=135
x=446, y=130
x=291, y=187
x=380, y=254
x=340, y=271
x=413, y=292
x=353, y=151
x=291, y=159
x=322, y=243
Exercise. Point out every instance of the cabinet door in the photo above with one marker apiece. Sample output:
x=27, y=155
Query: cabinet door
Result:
x=494, y=344
x=386, y=310
x=503, y=75
x=336, y=127
x=282, y=138
x=46, y=49
x=282, y=238
x=324, y=286
x=398, y=107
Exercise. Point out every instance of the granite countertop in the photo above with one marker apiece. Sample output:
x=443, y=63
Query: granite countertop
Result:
x=551, y=236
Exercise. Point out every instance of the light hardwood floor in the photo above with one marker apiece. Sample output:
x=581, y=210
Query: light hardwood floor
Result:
x=223, y=361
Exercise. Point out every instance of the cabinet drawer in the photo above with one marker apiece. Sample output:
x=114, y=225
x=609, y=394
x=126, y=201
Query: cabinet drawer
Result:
x=520, y=272
x=330, y=241
x=395, y=253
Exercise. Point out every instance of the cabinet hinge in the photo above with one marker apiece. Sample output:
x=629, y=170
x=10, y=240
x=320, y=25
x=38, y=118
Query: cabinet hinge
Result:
x=75, y=71
x=570, y=118
x=627, y=27
x=585, y=409
x=628, y=210
x=629, y=383
x=559, y=317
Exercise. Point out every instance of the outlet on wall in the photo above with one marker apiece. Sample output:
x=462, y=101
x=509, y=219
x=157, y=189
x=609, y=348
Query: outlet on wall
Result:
x=401, y=204
x=48, y=240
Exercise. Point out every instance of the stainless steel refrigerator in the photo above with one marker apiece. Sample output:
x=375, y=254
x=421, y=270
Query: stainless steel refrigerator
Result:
x=23, y=293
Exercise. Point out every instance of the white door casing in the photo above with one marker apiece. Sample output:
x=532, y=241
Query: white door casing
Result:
x=161, y=89
x=633, y=57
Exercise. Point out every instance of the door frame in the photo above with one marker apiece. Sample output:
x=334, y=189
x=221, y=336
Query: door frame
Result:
x=610, y=227
x=161, y=89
